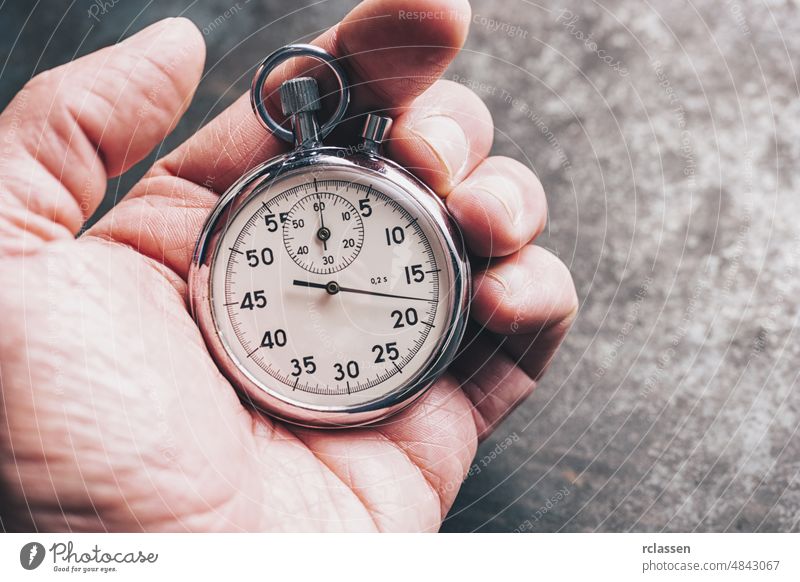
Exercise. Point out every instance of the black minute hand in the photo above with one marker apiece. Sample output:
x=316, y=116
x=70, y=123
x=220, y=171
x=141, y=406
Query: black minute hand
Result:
x=334, y=288
x=323, y=233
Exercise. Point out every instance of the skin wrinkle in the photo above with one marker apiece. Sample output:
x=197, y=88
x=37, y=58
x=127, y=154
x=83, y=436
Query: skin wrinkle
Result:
x=24, y=185
x=489, y=389
x=235, y=493
x=145, y=193
x=177, y=282
x=490, y=396
x=48, y=406
x=149, y=228
x=235, y=136
x=425, y=472
x=352, y=484
x=500, y=280
x=227, y=146
x=86, y=479
x=487, y=189
x=46, y=490
x=148, y=189
x=79, y=141
x=68, y=144
x=331, y=469
x=167, y=79
x=97, y=145
x=70, y=217
x=22, y=224
x=181, y=91
x=80, y=461
x=454, y=102
x=192, y=520
x=488, y=392
x=297, y=440
x=451, y=173
x=469, y=441
x=82, y=125
x=277, y=470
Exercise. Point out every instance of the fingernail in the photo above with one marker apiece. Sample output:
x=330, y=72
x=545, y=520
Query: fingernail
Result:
x=505, y=192
x=162, y=29
x=150, y=29
x=512, y=279
x=447, y=140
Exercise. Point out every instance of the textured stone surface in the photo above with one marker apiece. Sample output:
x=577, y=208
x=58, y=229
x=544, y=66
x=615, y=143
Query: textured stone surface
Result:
x=669, y=144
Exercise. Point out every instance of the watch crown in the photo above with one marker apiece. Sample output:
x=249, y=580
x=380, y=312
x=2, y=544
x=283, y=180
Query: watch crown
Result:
x=300, y=95
x=376, y=128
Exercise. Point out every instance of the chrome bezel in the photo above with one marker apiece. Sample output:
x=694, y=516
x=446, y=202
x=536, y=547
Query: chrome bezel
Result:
x=255, y=393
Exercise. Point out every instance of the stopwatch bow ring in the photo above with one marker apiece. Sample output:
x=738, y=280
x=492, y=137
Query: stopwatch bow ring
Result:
x=299, y=97
x=300, y=101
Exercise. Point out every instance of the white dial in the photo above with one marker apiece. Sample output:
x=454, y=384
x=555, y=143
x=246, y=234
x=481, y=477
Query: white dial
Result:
x=332, y=290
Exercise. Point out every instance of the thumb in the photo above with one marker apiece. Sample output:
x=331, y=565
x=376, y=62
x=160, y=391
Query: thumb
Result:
x=71, y=128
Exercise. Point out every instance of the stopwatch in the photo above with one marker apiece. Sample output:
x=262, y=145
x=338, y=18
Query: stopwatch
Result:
x=331, y=286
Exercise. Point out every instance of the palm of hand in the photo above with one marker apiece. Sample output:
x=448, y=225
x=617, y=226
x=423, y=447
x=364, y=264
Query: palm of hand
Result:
x=154, y=437
x=116, y=416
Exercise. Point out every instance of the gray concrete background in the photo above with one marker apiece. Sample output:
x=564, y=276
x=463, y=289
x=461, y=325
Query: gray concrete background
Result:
x=669, y=145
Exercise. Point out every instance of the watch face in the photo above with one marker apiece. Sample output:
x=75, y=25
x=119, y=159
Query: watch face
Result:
x=333, y=289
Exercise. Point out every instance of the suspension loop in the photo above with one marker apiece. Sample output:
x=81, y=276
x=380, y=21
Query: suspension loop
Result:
x=283, y=54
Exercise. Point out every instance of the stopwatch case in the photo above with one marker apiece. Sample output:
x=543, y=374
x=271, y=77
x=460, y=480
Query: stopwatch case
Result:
x=315, y=162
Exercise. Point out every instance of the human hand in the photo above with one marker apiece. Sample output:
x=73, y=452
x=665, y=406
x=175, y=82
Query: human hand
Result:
x=116, y=418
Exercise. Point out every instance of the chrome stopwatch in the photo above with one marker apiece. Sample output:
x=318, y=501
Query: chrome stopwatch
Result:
x=330, y=284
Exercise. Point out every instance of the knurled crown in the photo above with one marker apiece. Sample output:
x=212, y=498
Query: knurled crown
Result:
x=299, y=95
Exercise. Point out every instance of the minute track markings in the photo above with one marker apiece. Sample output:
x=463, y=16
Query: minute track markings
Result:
x=360, y=387
x=386, y=208
x=338, y=289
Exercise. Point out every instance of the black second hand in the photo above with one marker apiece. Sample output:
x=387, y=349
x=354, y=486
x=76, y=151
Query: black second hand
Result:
x=361, y=291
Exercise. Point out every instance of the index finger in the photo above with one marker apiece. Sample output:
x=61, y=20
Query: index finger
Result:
x=392, y=51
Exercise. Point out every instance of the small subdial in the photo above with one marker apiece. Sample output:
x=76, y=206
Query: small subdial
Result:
x=323, y=233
